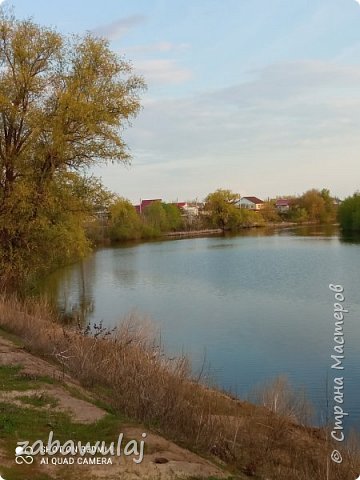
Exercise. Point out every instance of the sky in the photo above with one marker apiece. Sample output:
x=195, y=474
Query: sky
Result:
x=258, y=96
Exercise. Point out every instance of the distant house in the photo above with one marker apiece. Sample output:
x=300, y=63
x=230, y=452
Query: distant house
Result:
x=145, y=203
x=282, y=205
x=251, y=203
x=180, y=205
x=188, y=209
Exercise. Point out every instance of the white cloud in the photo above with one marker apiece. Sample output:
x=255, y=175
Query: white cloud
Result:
x=297, y=123
x=119, y=28
x=294, y=79
x=357, y=1
x=291, y=127
x=283, y=105
x=163, y=71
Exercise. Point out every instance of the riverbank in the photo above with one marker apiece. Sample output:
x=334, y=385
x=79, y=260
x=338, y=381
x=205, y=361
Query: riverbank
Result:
x=37, y=397
x=194, y=233
x=218, y=231
x=125, y=370
x=205, y=232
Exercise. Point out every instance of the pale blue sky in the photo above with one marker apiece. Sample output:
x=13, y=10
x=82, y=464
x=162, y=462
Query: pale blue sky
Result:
x=262, y=97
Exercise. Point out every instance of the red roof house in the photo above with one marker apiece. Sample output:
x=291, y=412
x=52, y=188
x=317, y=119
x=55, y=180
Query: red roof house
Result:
x=283, y=204
x=146, y=203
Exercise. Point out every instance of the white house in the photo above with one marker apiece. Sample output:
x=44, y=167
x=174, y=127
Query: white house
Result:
x=282, y=205
x=251, y=203
x=189, y=209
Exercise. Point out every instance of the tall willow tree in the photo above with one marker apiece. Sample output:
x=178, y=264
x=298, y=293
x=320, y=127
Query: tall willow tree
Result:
x=64, y=102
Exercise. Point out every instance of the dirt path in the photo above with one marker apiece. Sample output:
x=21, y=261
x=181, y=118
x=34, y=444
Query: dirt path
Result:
x=163, y=460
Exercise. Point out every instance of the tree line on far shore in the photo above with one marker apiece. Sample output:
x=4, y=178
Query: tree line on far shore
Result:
x=221, y=210
x=313, y=206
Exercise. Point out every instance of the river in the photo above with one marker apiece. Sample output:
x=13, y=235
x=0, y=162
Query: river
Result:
x=255, y=305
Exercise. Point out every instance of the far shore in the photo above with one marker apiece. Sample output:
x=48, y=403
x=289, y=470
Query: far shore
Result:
x=218, y=231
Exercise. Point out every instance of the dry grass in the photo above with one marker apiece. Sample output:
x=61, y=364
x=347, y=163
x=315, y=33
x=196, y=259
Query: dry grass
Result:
x=280, y=398
x=134, y=376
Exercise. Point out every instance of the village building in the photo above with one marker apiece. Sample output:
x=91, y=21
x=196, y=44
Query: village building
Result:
x=145, y=203
x=282, y=205
x=251, y=203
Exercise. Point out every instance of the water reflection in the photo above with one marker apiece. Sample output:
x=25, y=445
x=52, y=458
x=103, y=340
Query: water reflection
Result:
x=71, y=290
x=126, y=274
x=352, y=238
x=322, y=231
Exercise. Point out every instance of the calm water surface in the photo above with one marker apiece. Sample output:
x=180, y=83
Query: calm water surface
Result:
x=257, y=304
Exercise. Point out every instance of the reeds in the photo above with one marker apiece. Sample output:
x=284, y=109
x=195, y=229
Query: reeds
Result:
x=129, y=370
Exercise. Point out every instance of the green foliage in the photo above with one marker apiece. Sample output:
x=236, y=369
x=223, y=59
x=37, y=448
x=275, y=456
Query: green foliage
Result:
x=349, y=213
x=314, y=206
x=225, y=214
x=92, y=194
x=313, y=203
x=297, y=214
x=125, y=223
x=155, y=217
x=160, y=217
x=329, y=213
x=269, y=212
x=250, y=218
x=173, y=216
x=63, y=103
x=43, y=238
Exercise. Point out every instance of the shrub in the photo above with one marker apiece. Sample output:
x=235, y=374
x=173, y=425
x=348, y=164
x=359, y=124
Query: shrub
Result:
x=349, y=213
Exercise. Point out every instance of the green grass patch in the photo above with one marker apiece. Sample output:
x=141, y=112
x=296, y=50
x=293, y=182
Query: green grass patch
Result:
x=30, y=424
x=11, y=378
x=39, y=400
x=27, y=423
